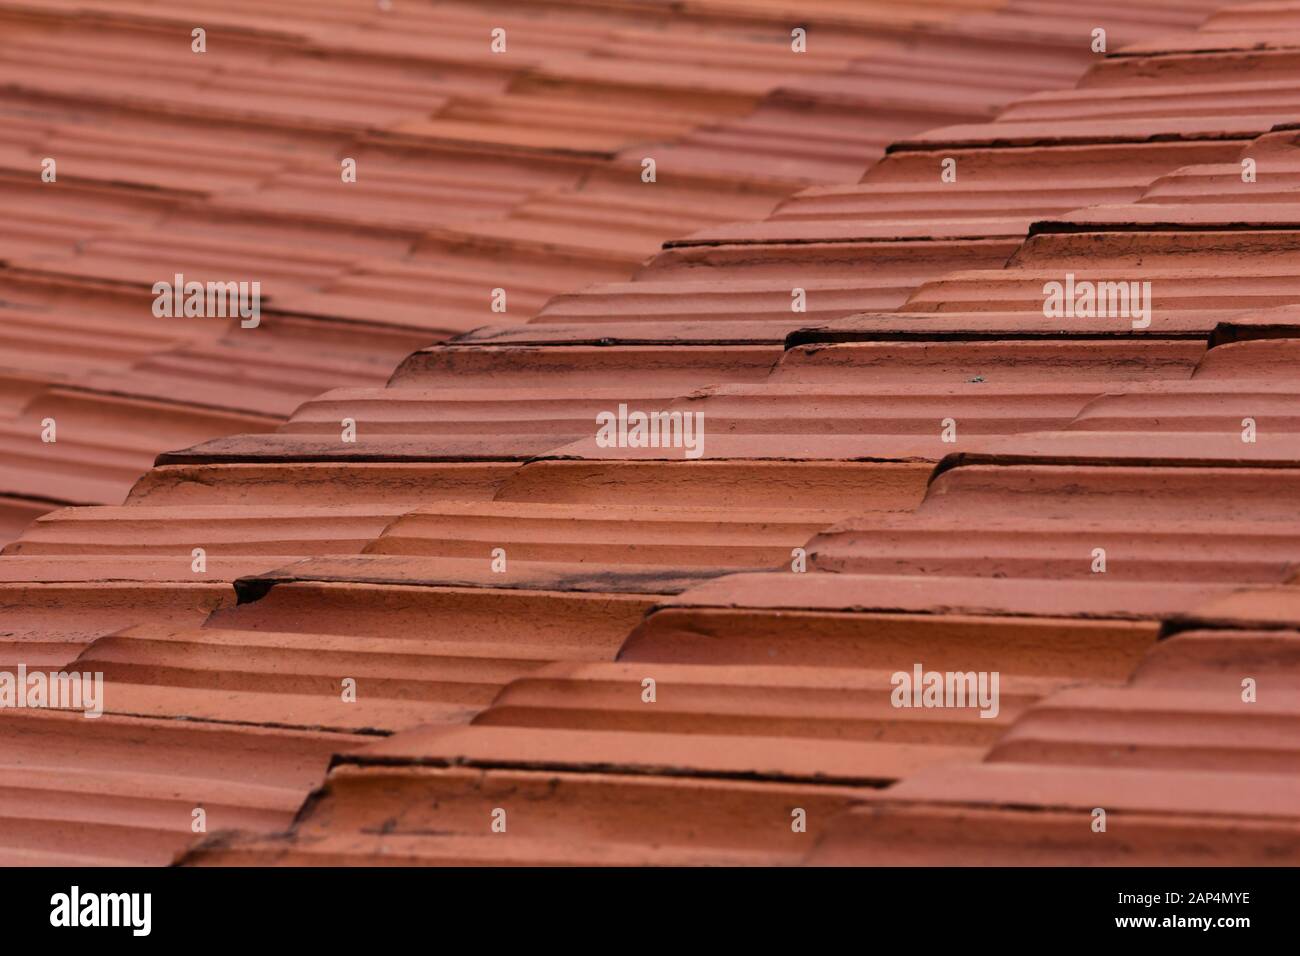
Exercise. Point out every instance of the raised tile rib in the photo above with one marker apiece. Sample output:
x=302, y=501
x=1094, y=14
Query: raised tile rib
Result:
x=558, y=816
x=122, y=790
x=788, y=702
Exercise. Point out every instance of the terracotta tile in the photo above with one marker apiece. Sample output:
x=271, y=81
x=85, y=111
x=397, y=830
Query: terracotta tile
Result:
x=828, y=538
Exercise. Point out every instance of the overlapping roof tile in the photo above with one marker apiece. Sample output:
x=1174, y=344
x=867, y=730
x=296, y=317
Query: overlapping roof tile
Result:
x=475, y=172
x=641, y=674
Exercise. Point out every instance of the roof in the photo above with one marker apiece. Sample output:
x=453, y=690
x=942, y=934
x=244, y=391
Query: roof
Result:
x=523, y=687
x=474, y=171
